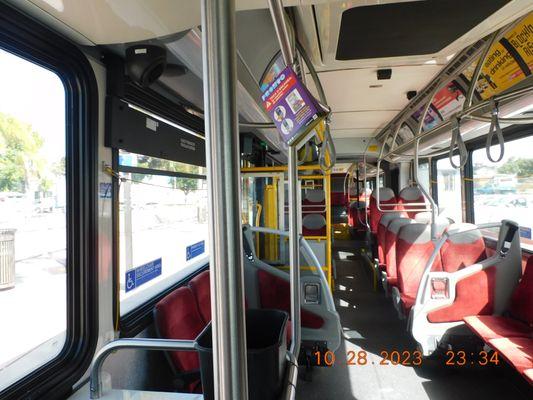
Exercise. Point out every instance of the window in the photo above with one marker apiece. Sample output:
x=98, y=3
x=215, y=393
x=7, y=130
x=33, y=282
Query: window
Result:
x=424, y=178
x=449, y=189
x=33, y=284
x=504, y=190
x=163, y=225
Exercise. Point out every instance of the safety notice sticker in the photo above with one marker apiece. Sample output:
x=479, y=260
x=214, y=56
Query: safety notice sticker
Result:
x=138, y=276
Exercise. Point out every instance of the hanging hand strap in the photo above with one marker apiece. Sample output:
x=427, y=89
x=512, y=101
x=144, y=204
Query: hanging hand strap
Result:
x=457, y=139
x=495, y=128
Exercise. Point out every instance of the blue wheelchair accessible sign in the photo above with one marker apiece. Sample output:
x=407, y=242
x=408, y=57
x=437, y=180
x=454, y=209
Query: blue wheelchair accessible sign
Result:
x=194, y=250
x=138, y=276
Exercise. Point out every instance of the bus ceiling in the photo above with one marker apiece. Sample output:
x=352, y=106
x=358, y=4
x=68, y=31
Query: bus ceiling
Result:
x=343, y=57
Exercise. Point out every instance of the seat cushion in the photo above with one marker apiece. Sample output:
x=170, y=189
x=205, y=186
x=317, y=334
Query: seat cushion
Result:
x=528, y=374
x=516, y=350
x=490, y=327
x=407, y=302
x=392, y=281
x=202, y=292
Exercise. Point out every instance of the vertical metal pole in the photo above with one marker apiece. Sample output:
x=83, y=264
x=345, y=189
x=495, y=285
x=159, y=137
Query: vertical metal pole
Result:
x=222, y=144
x=278, y=19
x=294, y=250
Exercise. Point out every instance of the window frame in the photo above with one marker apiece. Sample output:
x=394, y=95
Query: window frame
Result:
x=28, y=39
x=434, y=173
x=139, y=318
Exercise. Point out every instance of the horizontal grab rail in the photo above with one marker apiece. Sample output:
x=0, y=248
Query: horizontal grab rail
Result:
x=141, y=344
x=303, y=244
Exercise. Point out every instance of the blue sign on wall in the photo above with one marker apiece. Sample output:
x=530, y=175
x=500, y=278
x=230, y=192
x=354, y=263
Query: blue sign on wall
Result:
x=194, y=250
x=138, y=276
x=525, y=232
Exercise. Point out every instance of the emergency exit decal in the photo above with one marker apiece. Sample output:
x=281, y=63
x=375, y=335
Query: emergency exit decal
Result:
x=139, y=276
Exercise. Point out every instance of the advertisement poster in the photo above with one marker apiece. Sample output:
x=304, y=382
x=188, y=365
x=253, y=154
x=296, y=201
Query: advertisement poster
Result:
x=448, y=100
x=431, y=120
x=500, y=70
x=292, y=108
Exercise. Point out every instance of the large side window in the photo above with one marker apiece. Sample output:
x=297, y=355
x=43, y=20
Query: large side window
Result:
x=33, y=239
x=504, y=190
x=48, y=200
x=449, y=189
x=163, y=225
x=424, y=178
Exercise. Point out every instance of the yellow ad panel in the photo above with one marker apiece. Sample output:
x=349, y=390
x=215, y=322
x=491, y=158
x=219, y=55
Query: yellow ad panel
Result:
x=521, y=37
x=500, y=71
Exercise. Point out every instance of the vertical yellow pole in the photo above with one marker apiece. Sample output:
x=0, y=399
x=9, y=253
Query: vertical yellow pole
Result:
x=329, y=263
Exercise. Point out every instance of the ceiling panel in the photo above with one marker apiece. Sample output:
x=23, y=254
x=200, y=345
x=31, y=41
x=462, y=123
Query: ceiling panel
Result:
x=350, y=90
x=362, y=119
x=353, y=132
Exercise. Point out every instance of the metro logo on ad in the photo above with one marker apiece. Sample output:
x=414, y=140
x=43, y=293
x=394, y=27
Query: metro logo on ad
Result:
x=290, y=105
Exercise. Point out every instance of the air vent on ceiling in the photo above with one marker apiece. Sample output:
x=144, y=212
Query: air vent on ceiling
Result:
x=408, y=28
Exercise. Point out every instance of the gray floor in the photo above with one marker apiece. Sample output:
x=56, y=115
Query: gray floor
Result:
x=370, y=325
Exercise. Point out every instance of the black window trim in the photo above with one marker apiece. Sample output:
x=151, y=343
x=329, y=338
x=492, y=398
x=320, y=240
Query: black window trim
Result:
x=27, y=38
x=135, y=321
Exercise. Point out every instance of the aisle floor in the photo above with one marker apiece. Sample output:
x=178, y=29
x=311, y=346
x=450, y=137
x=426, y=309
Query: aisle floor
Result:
x=370, y=325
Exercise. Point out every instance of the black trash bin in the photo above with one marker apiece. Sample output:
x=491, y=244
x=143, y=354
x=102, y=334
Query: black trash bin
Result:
x=266, y=342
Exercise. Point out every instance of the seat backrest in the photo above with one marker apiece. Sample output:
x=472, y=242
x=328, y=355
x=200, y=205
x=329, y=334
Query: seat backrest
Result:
x=339, y=199
x=391, y=237
x=522, y=300
x=411, y=194
x=475, y=294
x=413, y=250
x=314, y=225
x=202, y=293
x=387, y=199
x=386, y=219
x=177, y=317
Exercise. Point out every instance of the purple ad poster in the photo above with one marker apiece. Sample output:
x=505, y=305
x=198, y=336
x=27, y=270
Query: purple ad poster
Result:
x=290, y=105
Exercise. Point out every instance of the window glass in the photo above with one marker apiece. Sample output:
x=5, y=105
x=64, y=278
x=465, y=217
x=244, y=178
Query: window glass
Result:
x=33, y=280
x=423, y=176
x=163, y=227
x=449, y=189
x=504, y=190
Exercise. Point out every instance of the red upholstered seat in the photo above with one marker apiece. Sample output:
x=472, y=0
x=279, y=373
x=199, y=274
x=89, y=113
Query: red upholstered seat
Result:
x=202, y=293
x=391, y=236
x=474, y=294
x=407, y=302
x=387, y=200
x=339, y=198
x=528, y=374
x=274, y=293
x=383, y=225
x=411, y=195
x=413, y=250
x=518, y=351
x=489, y=327
x=177, y=317
x=521, y=306
x=314, y=225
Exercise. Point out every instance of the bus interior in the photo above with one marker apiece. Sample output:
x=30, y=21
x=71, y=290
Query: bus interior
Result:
x=266, y=199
